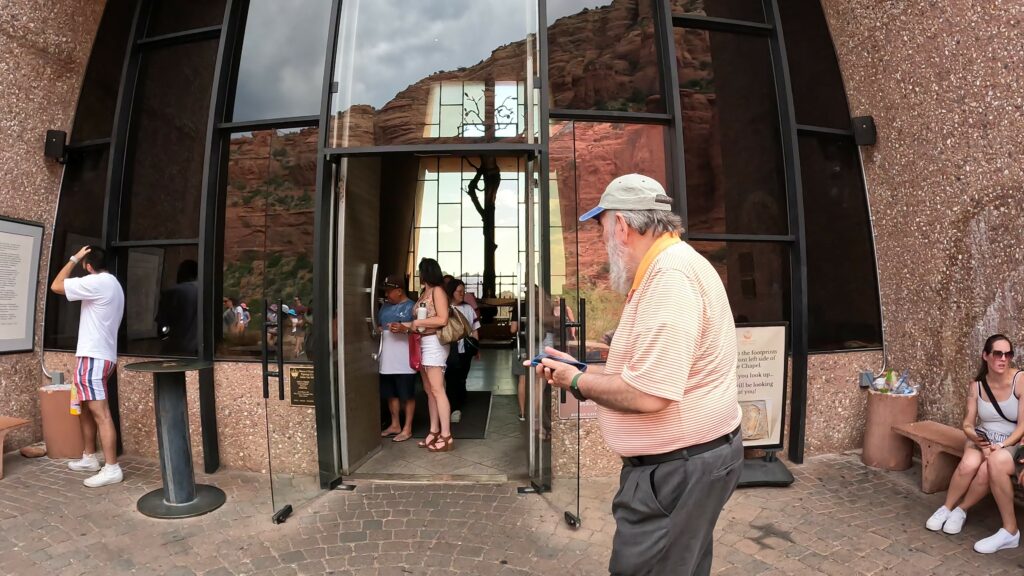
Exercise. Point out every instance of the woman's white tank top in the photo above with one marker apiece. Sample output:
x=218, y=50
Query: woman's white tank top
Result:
x=996, y=426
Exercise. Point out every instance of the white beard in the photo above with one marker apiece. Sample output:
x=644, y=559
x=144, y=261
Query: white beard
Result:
x=620, y=271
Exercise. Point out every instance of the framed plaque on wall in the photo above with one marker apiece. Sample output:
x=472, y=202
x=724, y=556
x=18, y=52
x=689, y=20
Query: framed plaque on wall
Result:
x=20, y=245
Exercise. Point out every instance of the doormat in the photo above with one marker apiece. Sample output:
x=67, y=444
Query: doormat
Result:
x=475, y=415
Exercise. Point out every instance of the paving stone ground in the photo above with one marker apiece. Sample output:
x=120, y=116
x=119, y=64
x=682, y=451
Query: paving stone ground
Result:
x=839, y=518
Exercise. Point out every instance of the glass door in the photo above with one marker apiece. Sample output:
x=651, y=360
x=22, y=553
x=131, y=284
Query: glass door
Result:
x=288, y=405
x=559, y=310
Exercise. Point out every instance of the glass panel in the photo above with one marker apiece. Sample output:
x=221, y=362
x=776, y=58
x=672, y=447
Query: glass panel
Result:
x=473, y=251
x=735, y=178
x=756, y=276
x=603, y=56
x=818, y=94
x=733, y=9
x=170, y=16
x=168, y=142
x=282, y=61
x=161, y=306
x=449, y=227
x=842, y=281
x=79, y=222
x=428, y=71
x=268, y=237
x=94, y=117
x=585, y=157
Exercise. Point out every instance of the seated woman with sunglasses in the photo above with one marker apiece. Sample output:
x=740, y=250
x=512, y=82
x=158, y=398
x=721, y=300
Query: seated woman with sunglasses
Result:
x=990, y=438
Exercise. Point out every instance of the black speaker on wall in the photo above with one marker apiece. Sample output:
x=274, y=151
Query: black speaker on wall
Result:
x=864, y=132
x=55, y=143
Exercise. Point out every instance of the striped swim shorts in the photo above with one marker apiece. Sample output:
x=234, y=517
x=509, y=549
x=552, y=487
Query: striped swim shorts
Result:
x=91, y=377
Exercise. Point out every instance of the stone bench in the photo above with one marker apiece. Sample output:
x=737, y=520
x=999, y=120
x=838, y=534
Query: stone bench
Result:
x=942, y=447
x=6, y=425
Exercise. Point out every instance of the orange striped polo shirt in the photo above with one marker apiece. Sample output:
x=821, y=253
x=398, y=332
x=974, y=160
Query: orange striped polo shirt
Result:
x=676, y=339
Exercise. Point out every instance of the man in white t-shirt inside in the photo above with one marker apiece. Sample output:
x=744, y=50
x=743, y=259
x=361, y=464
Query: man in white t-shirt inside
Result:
x=102, y=307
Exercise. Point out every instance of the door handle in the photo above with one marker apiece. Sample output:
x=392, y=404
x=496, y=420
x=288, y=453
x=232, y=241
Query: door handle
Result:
x=264, y=349
x=280, y=351
x=373, y=302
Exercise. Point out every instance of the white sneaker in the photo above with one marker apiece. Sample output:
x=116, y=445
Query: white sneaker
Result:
x=88, y=463
x=109, y=474
x=999, y=541
x=457, y=416
x=955, y=523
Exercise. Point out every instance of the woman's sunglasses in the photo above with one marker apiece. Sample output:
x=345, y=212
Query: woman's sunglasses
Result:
x=999, y=354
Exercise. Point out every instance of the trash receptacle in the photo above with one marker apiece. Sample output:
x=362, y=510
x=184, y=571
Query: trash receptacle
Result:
x=61, y=431
x=884, y=448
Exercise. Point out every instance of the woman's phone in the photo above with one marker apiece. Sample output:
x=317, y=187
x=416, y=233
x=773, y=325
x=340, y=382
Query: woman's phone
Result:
x=539, y=357
x=981, y=434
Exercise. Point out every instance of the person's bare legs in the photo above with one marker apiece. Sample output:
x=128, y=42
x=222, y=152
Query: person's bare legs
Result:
x=979, y=488
x=431, y=409
x=410, y=409
x=395, y=427
x=100, y=412
x=1001, y=470
x=521, y=392
x=441, y=413
x=963, y=476
x=88, y=425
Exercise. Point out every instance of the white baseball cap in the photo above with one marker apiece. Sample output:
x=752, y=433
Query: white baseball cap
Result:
x=631, y=192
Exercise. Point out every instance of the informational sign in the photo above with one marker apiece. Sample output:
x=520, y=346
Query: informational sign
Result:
x=761, y=381
x=301, y=378
x=20, y=243
x=572, y=408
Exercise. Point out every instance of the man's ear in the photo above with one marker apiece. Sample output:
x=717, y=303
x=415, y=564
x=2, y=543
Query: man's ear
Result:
x=621, y=228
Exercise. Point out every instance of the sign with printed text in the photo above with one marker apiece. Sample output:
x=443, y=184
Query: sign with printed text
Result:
x=20, y=243
x=301, y=378
x=761, y=383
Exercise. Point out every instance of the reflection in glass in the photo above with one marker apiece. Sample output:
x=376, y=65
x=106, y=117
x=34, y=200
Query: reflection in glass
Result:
x=819, y=97
x=79, y=223
x=603, y=56
x=585, y=157
x=170, y=16
x=94, y=116
x=170, y=114
x=735, y=179
x=161, y=309
x=268, y=237
x=432, y=71
x=842, y=281
x=479, y=207
x=282, y=61
x=750, y=10
x=756, y=276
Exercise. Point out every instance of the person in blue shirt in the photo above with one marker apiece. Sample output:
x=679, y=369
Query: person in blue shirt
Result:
x=397, y=378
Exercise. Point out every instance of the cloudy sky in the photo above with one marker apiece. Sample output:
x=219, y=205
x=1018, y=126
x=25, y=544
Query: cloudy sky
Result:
x=281, y=70
x=386, y=45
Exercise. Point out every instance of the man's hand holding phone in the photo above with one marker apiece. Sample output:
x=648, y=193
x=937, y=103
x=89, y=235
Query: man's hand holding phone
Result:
x=555, y=367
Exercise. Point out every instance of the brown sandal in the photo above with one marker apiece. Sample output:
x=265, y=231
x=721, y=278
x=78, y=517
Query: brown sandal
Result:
x=433, y=436
x=442, y=444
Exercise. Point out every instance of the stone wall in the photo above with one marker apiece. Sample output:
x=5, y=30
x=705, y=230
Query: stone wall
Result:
x=942, y=80
x=44, y=47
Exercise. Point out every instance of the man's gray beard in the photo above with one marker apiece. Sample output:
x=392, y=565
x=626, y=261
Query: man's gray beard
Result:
x=619, y=271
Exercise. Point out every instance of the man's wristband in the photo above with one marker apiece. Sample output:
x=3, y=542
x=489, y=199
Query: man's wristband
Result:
x=575, y=388
x=74, y=259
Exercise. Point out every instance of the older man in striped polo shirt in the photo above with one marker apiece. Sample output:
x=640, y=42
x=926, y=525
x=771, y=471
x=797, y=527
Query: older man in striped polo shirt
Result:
x=667, y=401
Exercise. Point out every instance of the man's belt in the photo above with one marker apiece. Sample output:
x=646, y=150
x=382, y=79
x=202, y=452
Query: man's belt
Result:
x=682, y=453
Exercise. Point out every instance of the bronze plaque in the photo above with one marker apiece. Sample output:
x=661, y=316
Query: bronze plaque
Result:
x=301, y=378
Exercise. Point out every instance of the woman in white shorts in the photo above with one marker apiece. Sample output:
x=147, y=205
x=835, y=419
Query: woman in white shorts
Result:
x=434, y=355
x=993, y=429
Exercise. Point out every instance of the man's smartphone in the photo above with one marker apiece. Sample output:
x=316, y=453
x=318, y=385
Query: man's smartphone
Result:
x=539, y=357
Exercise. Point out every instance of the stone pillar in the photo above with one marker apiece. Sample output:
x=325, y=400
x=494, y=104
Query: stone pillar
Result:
x=44, y=48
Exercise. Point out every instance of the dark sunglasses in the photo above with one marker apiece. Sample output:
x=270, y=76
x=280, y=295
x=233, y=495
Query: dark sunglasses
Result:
x=999, y=354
